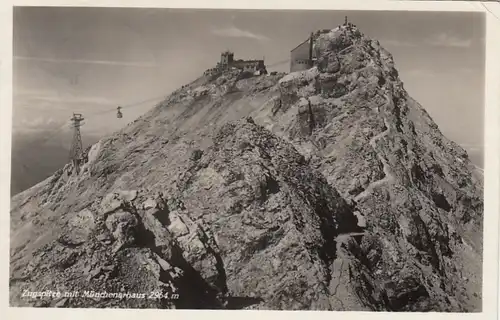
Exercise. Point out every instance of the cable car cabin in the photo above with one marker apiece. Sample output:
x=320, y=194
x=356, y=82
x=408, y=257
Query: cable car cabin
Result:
x=119, y=113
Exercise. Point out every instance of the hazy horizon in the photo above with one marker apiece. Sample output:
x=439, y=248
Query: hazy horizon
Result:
x=91, y=60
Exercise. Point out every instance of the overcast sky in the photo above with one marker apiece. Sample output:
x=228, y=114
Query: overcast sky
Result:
x=90, y=60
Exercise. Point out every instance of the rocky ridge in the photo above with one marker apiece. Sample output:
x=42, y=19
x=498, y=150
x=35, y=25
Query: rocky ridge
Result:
x=326, y=189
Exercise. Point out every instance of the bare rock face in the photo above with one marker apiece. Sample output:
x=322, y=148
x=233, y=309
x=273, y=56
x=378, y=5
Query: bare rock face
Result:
x=271, y=215
x=382, y=150
x=325, y=189
x=79, y=228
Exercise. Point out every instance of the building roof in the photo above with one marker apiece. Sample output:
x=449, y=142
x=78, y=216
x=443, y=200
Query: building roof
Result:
x=315, y=35
x=300, y=44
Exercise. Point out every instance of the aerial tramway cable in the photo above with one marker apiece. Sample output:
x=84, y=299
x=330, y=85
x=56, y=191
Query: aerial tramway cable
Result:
x=278, y=63
x=121, y=107
x=67, y=124
x=126, y=106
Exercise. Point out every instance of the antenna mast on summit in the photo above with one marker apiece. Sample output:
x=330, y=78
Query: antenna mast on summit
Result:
x=76, y=152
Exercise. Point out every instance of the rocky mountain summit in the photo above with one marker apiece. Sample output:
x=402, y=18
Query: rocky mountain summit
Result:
x=325, y=189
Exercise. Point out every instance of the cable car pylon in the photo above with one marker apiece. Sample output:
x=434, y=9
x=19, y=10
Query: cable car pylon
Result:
x=76, y=152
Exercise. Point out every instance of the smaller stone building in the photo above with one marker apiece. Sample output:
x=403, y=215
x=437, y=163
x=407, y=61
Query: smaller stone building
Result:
x=227, y=61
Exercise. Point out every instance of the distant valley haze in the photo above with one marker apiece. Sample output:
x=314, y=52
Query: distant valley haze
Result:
x=91, y=60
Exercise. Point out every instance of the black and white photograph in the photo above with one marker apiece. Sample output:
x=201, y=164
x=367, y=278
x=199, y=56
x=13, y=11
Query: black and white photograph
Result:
x=248, y=159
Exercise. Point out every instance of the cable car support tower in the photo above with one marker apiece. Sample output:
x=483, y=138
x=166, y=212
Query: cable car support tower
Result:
x=76, y=153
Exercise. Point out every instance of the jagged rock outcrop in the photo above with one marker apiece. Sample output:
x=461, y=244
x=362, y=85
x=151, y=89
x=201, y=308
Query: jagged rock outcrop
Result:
x=328, y=189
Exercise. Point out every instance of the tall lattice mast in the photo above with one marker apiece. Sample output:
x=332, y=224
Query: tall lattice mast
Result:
x=76, y=146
